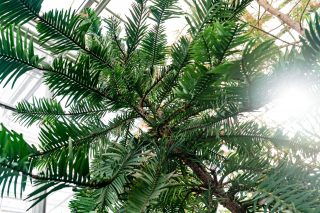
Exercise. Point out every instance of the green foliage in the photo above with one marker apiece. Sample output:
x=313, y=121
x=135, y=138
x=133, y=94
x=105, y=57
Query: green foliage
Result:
x=291, y=196
x=48, y=110
x=137, y=125
x=206, y=12
x=14, y=161
x=17, y=54
x=84, y=201
x=311, y=46
x=154, y=43
x=218, y=42
x=150, y=184
x=136, y=26
x=80, y=81
x=39, y=110
x=20, y=11
x=214, y=45
x=69, y=33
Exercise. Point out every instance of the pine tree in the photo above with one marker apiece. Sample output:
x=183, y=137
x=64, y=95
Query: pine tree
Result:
x=180, y=139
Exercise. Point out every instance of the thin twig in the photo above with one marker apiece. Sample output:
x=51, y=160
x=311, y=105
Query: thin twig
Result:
x=262, y=30
x=294, y=6
x=304, y=10
x=258, y=23
x=8, y=107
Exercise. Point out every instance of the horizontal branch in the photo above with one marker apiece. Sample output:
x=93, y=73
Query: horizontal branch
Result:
x=74, y=143
x=59, y=114
x=40, y=68
x=60, y=180
x=215, y=121
x=5, y=106
x=80, y=141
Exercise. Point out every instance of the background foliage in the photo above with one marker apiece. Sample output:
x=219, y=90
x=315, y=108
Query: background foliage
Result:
x=198, y=148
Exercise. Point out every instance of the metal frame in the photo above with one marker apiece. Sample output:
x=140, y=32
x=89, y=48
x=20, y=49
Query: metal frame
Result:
x=101, y=6
x=88, y=4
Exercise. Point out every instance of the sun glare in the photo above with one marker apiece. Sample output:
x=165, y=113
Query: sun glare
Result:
x=290, y=104
x=294, y=101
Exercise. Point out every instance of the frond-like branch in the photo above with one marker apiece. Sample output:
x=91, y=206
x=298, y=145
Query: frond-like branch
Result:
x=154, y=44
x=149, y=187
x=136, y=26
x=19, y=12
x=56, y=136
x=17, y=54
x=48, y=110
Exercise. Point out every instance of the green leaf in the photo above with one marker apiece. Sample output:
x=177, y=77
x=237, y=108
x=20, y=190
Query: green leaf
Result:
x=296, y=193
x=206, y=12
x=149, y=186
x=136, y=26
x=14, y=154
x=46, y=186
x=74, y=81
x=217, y=42
x=19, y=11
x=68, y=34
x=154, y=44
x=38, y=110
x=16, y=54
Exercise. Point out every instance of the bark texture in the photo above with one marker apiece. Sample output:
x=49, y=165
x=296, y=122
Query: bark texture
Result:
x=281, y=16
x=209, y=182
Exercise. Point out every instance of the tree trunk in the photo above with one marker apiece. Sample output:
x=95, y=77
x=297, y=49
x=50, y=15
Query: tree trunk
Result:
x=234, y=207
x=213, y=184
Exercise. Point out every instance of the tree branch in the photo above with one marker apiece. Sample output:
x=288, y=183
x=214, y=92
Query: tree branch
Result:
x=281, y=16
x=304, y=10
x=42, y=113
x=8, y=107
x=80, y=141
x=61, y=180
x=268, y=33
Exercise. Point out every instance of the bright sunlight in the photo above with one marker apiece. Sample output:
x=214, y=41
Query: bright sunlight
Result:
x=291, y=105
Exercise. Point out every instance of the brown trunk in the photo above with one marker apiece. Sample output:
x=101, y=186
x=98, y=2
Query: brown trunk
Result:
x=210, y=182
x=234, y=207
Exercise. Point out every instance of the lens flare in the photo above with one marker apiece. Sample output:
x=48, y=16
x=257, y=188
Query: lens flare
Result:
x=291, y=104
